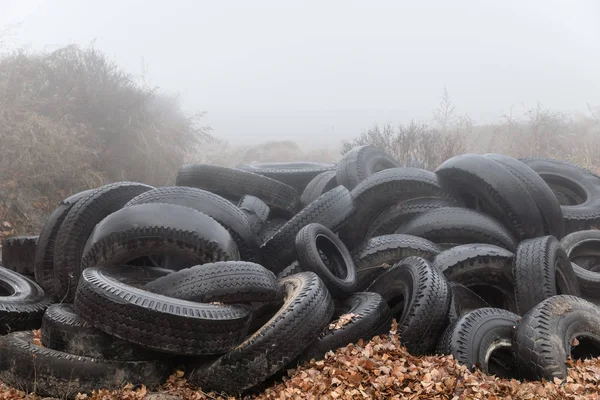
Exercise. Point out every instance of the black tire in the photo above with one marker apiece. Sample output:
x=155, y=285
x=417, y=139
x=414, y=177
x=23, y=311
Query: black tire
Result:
x=453, y=226
x=483, y=268
x=463, y=301
x=370, y=316
x=256, y=212
x=293, y=268
x=381, y=252
x=483, y=338
x=577, y=190
x=332, y=210
x=78, y=225
x=542, y=194
x=545, y=336
x=419, y=298
x=382, y=190
x=65, y=331
x=307, y=310
x=141, y=230
x=361, y=162
x=295, y=174
x=18, y=254
x=392, y=218
x=489, y=186
x=234, y=183
x=320, y=184
x=215, y=206
x=541, y=269
x=224, y=281
x=269, y=228
x=580, y=246
x=158, y=322
x=44, y=255
x=315, y=242
x=22, y=302
x=56, y=374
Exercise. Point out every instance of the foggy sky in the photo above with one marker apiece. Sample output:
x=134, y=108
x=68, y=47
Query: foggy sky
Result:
x=272, y=69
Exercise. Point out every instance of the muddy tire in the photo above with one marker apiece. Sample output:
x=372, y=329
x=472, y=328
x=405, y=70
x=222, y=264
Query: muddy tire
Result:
x=18, y=254
x=224, y=281
x=485, y=269
x=483, y=338
x=178, y=326
x=381, y=252
x=22, y=302
x=332, y=210
x=314, y=243
x=215, y=206
x=43, y=267
x=382, y=190
x=419, y=298
x=541, y=269
x=487, y=185
x=234, y=183
x=78, y=225
x=360, y=163
x=452, y=226
x=56, y=374
x=320, y=184
x=188, y=235
x=545, y=336
x=307, y=310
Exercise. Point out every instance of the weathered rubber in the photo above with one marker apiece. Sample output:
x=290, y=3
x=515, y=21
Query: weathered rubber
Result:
x=362, y=162
x=320, y=184
x=256, y=211
x=296, y=174
x=584, y=244
x=463, y=301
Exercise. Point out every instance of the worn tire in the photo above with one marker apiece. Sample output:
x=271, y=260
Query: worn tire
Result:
x=392, y=218
x=541, y=269
x=295, y=174
x=269, y=228
x=78, y=225
x=307, y=310
x=497, y=191
x=381, y=252
x=453, y=226
x=320, y=184
x=370, y=316
x=419, y=299
x=332, y=210
x=542, y=194
x=483, y=268
x=158, y=322
x=22, y=302
x=314, y=242
x=215, y=206
x=545, y=335
x=576, y=188
x=361, y=162
x=382, y=190
x=474, y=338
x=158, y=229
x=44, y=255
x=235, y=183
x=584, y=245
x=63, y=330
x=463, y=301
x=293, y=268
x=224, y=281
x=56, y=374
x=256, y=212
x=18, y=254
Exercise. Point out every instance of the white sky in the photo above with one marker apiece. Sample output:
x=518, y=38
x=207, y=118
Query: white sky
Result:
x=326, y=70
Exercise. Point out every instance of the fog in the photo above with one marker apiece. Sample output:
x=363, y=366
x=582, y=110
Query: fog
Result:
x=321, y=71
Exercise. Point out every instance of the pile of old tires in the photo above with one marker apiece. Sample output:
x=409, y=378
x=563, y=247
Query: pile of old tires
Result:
x=236, y=274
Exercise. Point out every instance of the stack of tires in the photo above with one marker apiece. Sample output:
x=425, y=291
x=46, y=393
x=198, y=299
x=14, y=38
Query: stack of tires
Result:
x=236, y=274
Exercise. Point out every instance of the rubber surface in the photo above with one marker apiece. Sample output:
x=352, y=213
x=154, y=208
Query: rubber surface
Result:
x=361, y=162
x=295, y=174
x=584, y=244
x=234, y=183
x=463, y=301
x=320, y=184
x=419, y=299
x=256, y=211
x=158, y=322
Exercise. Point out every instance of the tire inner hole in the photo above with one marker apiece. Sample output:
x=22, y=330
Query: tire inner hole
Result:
x=331, y=256
x=567, y=192
x=494, y=297
x=6, y=290
x=501, y=361
x=396, y=304
x=586, y=348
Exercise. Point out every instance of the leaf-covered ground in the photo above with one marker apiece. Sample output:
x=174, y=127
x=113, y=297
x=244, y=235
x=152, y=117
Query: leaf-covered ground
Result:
x=380, y=369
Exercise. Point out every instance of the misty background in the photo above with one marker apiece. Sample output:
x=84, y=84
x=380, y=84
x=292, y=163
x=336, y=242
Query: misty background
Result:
x=318, y=72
